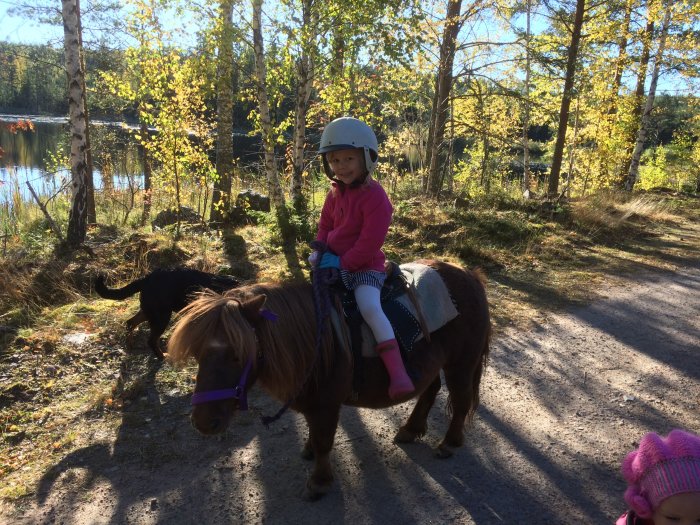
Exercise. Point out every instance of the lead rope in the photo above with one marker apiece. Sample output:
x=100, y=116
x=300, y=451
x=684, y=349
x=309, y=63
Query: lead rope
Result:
x=321, y=279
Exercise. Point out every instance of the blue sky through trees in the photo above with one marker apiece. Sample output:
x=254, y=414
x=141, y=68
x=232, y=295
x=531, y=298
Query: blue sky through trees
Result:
x=15, y=28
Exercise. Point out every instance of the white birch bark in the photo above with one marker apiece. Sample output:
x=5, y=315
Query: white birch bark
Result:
x=526, y=108
x=77, y=119
x=275, y=189
x=305, y=73
x=221, y=198
x=633, y=175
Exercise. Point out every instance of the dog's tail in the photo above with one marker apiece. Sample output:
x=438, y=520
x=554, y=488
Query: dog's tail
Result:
x=117, y=293
x=221, y=283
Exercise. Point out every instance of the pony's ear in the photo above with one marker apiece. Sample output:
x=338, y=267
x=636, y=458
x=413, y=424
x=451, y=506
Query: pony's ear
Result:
x=251, y=308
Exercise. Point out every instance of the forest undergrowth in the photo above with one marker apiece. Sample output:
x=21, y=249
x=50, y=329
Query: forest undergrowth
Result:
x=69, y=375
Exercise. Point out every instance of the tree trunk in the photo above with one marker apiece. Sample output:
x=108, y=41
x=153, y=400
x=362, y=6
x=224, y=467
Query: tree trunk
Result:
x=275, y=190
x=443, y=87
x=146, y=162
x=337, y=60
x=649, y=106
x=221, y=198
x=553, y=188
x=91, y=213
x=77, y=220
x=305, y=75
x=638, y=99
x=621, y=57
x=431, y=133
x=276, y=195
x=526, y=108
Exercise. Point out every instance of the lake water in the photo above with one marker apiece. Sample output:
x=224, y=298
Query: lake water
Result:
x=30, y=156
x=38, y=156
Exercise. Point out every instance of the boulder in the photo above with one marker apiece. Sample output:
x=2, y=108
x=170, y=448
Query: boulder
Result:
x=170, y=216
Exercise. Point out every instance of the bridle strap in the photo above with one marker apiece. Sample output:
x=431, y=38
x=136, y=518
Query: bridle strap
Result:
x=238, y=392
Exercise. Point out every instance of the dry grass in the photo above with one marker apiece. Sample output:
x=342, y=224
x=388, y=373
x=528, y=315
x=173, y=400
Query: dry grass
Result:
x=613, y=211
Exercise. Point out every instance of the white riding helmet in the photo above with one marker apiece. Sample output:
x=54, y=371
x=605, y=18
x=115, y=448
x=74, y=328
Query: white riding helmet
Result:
x=349, y=133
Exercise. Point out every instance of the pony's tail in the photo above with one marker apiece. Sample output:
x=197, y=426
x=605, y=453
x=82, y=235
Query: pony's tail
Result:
x=484, y=349
x=477, y=375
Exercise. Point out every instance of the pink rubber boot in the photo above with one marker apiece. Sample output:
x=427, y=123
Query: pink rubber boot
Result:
x=400, y=384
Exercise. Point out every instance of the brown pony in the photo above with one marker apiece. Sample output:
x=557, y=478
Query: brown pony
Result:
x=238, y=342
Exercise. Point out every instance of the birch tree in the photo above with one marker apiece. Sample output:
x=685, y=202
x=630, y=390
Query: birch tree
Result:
x=633, y=174
x=221, y=197
x=287, y=231
x=304, y=76
x=637, y=100
x=266, y=126
x=77, y=120
x=527, y=183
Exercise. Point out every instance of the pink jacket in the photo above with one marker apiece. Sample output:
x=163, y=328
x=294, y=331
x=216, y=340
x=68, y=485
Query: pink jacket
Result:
x=354, y=223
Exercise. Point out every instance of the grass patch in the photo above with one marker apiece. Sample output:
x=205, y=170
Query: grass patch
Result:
x=614, y=212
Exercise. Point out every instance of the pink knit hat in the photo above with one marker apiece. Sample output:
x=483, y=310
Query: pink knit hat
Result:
x=661, y=468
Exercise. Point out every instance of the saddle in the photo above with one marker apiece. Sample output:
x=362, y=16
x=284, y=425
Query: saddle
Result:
x=407, y=326
x=402, y=307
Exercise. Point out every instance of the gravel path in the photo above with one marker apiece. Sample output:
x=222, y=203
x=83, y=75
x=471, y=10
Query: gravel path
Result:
x=561, y=405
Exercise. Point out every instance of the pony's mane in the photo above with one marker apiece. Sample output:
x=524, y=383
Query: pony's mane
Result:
x=198, y=323
x=287, y=345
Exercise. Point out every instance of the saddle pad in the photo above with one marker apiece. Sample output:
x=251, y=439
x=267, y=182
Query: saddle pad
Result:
x=432, y=296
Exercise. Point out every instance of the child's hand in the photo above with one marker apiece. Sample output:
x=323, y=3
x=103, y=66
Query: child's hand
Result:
x=313, y=258
x=330, y=260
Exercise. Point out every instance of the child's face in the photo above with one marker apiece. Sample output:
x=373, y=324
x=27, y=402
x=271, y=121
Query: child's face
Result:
x=681, y=509
x=348, y=165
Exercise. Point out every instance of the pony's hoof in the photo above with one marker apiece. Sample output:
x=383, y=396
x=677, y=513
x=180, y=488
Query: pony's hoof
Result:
x=405, y=436
x=307, y=453
x=313, y=492
x=443, y=451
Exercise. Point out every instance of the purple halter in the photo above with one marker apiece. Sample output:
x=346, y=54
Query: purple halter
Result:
x=238, y=392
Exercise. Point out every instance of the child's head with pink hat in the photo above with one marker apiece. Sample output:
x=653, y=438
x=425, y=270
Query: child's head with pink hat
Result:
x=663, y=477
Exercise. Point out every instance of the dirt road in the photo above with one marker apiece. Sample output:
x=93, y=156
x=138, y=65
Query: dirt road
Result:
x=561, y=405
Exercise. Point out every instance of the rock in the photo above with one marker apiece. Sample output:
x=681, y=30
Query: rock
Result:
x=168, y=217
x=246, y=201
x=77, y=338
x=251, y=200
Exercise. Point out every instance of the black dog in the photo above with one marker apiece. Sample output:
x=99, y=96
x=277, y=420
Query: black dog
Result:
x=162, y=293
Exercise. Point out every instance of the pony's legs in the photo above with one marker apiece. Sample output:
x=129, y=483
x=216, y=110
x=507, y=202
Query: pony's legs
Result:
x=323, y=423
x=307, y=452
x=417, y=423
x=459, y=386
